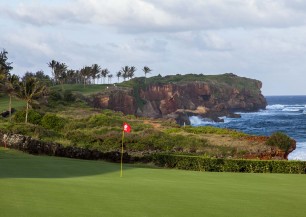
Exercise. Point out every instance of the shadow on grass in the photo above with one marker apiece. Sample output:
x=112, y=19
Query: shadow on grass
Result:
x=15, y=164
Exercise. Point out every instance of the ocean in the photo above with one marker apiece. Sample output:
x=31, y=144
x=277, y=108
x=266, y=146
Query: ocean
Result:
x=283, y=113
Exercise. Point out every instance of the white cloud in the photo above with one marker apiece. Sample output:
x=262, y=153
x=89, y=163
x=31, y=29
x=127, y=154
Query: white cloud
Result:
x=158, y=15
x=262, y=39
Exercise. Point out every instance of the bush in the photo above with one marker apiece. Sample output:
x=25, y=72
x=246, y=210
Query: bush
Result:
x=68, y=96
x=280, y=140
x=52, y=121
x=228, y=165
x=105, y=120
x=34, y=117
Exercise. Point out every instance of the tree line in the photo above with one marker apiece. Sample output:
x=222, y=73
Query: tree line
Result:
x=89, y=74
x=33, y=86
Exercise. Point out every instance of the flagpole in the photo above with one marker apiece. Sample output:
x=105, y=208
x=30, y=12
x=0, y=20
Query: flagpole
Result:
x=121, y=153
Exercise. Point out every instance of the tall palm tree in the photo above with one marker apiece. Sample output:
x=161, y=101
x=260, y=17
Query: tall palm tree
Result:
x=146, y=70
x=104, y=73
x=29, y=90
x=86, y=73
x=95, y=69
x=52, y=65
x=132, y=71
x=61, y=73
x=118, y=74
x=9, y=88
x=125, y=72
x=110, y=78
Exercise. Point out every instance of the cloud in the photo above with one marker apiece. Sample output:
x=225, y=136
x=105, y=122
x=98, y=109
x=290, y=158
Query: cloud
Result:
x=163, y=16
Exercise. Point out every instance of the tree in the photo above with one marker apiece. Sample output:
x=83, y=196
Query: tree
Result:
x=29, y=90
x=110, y=78
x=9, y=88
x=132, y=71
x=5, y=67
x=95, y=70
x=125, y=72
x=86, y=73
x=52, y=65
x=118, y=75
x=61, y=73
x=104, y=73
x=146, y=70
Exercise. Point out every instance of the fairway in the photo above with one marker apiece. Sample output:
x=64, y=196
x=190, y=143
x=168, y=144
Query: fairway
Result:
x=50, y=186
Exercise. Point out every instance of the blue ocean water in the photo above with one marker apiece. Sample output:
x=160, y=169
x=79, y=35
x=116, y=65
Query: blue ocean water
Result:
x=283, y=113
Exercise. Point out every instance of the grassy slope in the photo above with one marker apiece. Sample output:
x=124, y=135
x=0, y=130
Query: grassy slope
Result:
x=48, y=186
x=16, y=103
x=79, y=88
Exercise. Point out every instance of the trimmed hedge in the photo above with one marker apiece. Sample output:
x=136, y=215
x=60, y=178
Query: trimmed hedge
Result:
x=228, y=165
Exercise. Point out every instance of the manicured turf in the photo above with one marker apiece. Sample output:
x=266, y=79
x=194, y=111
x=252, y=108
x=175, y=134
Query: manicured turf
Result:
x=49, y=186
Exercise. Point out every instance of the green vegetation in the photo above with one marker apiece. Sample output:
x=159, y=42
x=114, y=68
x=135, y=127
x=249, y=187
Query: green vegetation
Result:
x=280, y=140
x=79, y=88
x=49, y=186
x=16, y=103
x=229, y=165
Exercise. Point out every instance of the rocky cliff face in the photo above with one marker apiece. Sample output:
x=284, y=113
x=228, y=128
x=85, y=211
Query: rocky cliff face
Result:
x=199, y=95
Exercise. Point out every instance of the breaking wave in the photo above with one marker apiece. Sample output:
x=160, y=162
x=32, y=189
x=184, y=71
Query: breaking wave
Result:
x=285, y=114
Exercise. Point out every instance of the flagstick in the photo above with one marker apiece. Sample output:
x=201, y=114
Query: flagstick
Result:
x=121, y=153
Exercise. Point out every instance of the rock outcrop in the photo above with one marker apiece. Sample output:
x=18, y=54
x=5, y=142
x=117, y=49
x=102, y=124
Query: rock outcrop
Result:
x=37, y=147
x=182, y=95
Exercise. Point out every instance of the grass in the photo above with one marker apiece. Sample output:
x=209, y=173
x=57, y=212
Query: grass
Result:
x=79, y=88
x=49, y=186
x=16, y=103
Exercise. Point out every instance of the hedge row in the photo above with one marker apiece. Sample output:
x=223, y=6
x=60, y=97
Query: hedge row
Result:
x=229, y=165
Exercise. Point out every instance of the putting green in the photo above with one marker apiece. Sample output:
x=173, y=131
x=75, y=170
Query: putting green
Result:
x=50, y=186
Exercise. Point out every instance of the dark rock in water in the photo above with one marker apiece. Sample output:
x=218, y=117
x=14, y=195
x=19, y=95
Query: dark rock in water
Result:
x=233, y=115
x=175, y=96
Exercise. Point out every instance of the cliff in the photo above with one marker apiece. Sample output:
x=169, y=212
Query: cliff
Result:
x=179, y=96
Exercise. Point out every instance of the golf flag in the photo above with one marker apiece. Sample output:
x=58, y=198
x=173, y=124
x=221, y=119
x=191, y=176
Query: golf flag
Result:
x=126, y=129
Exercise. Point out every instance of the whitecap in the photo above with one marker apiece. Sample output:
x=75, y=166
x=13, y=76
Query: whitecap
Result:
x=198, y=121
x=275, y=107
x=299, y=153
x=292, y=109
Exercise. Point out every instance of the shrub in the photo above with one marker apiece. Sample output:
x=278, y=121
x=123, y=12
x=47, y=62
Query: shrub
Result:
x=34, y=117
x=52, y=121
x=228, y=165
x=68, y=96
x=280, y=140
x=105, y=120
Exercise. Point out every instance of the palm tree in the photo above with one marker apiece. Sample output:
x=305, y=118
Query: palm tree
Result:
x=118, y=75
x=131, y=72
x=125, y=72
x=95, y=69
x=61, y=73
x=9, y=88
x=29, y=90
x=110, y=78
x=104, y=73
x=146, y=70
x=86, y=73
x=52, y=65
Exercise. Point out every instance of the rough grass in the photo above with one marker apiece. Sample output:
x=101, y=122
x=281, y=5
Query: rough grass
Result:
x=79, y=88
x=16, y=103
x=49, y=186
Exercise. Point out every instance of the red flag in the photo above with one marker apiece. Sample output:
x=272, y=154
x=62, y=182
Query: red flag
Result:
x=126, y=128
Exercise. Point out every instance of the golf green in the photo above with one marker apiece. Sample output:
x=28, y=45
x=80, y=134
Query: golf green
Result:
x=49, y=186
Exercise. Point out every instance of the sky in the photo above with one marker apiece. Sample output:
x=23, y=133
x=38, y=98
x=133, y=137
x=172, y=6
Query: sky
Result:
x=259, y=39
